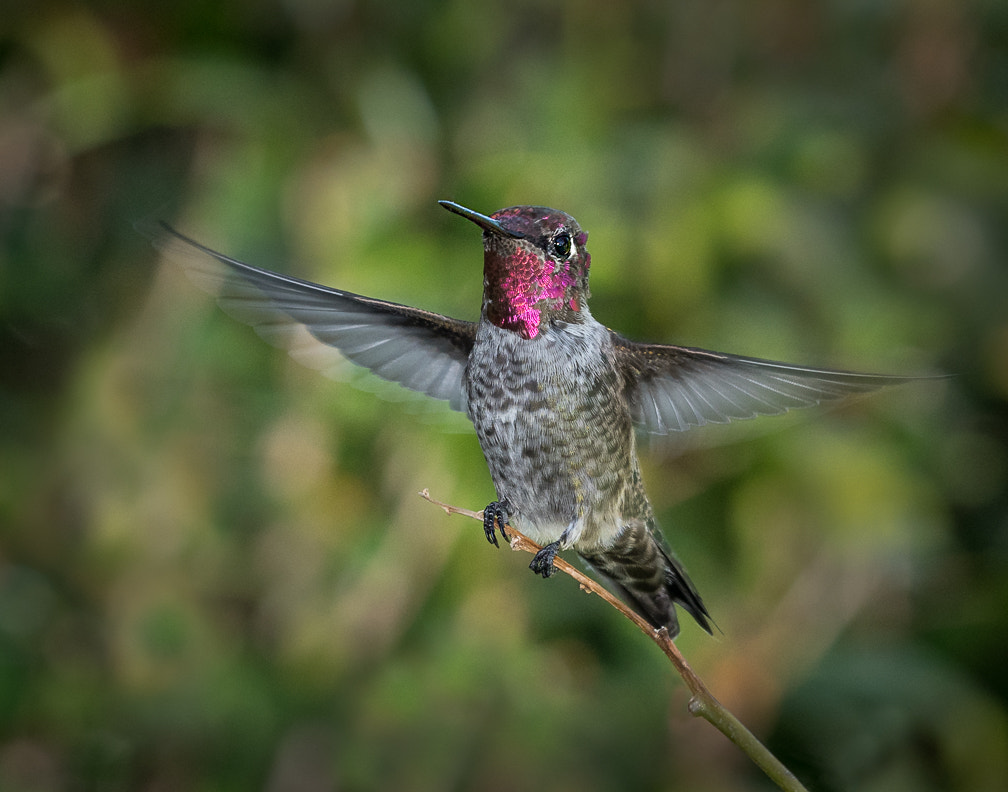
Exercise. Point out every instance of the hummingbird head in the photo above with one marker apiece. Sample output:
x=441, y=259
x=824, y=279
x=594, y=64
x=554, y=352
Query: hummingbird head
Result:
x=535, y=267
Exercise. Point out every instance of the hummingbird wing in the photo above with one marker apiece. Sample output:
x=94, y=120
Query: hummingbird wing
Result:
x=672, y=388
x=418, y=349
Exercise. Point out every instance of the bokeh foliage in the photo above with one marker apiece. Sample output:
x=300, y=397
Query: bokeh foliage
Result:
x=214, y=570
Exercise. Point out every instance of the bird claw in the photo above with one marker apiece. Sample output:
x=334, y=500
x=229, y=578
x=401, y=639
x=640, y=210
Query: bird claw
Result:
x=495, y=517
x=542, y=562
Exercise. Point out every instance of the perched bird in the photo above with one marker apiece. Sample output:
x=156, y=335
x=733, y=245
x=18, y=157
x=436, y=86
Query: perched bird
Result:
x=553, y=394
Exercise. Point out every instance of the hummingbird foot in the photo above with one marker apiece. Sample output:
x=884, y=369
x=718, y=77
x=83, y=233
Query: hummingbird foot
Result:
x=495, y=517
x=542, y=562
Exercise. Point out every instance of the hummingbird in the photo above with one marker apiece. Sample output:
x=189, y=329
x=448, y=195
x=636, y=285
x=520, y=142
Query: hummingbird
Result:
x=556, y=398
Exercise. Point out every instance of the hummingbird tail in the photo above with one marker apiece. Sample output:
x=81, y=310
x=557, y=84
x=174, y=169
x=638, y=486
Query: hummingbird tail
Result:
x=683, y=592
x=646, y=576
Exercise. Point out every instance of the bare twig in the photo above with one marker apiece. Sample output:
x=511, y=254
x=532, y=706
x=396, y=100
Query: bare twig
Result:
x=702, y=703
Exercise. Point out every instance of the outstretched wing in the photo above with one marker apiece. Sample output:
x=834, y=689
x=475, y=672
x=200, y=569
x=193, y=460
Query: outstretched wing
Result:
x=420, y=350
x=673, y=388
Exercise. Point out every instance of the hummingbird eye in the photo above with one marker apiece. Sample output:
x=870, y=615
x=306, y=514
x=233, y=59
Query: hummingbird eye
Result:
x=561, y=245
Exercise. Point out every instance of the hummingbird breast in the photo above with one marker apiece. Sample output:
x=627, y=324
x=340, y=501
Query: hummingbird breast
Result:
x=554, y=426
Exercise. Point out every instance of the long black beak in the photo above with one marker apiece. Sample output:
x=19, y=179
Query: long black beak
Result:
x=484, y=222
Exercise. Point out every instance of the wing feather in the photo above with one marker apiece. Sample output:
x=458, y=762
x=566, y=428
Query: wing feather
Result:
x=420, y=350
x=672, y=388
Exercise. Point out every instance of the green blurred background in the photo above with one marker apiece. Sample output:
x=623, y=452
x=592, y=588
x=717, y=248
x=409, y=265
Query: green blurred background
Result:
x=215, y=573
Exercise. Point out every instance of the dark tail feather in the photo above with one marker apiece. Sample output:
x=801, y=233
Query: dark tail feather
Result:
x=644, y=574
x=682, y=590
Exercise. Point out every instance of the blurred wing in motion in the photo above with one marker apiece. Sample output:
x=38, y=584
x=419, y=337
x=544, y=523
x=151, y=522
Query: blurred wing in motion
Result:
x=673, y=388
x=417, y=349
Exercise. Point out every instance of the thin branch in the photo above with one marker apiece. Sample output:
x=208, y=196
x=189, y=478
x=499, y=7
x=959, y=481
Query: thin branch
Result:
x=702, y=703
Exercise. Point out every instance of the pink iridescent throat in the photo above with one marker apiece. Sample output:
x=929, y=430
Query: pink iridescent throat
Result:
x=520, y=287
